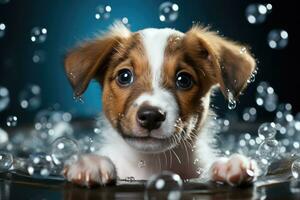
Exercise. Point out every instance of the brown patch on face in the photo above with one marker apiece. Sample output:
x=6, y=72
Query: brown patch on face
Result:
x=180, y=56
x=118, y=101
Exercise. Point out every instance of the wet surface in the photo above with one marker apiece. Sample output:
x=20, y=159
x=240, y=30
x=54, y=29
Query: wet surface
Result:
x=14, y=186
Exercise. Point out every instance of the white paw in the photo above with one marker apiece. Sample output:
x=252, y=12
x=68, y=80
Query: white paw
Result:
x=235, y=170
x=90, y=170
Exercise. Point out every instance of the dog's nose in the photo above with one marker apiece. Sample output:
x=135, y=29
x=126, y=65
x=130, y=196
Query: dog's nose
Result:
x=150, y=117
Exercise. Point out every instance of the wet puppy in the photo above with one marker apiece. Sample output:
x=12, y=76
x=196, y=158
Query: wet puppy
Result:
x=156, y=88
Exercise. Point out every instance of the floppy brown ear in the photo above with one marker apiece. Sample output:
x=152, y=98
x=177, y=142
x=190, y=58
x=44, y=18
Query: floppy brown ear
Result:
x=83, y=62
x=232, y=62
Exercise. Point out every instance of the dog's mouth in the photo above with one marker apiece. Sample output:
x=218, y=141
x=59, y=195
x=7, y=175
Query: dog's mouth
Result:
x=149, y=144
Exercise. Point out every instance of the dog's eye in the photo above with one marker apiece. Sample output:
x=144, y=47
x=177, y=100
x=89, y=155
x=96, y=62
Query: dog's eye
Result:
x=125, y=77
x=184, y=80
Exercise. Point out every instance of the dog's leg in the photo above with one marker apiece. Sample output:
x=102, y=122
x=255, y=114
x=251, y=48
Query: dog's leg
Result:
x=235, y=170
x=90, y=170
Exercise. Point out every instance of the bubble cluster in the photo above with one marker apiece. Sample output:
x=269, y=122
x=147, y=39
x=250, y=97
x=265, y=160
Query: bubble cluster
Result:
x=102, y=12
x=39, y=164
x=278, y=39
x=168, y=11
x=38, y=34
x=166, y=181
x=249, y=114
x=30, y=97
x=12, y=121
x=2, y=29
x=4, y=98
x=257, y=13
x=266, y=97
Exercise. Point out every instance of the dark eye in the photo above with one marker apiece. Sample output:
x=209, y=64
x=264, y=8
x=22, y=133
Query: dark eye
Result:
x=125, y=77
x=184, y=80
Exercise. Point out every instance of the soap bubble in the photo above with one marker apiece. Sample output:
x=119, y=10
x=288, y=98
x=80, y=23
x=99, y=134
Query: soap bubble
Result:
x=102, y=12
x=4, y=98
x=2, y=29
x=6, y=161
x=30, y=97
x=278, y=39
x=3, y=137
x=295, y=168
x=38, y=34
x=39, y=164
x=11, y=121
x=257, y=13
x=129, y=179
x=165, y=185
x=269, y=149
x=63, y=149
x=249, y=114
x=168, y=11
x=38, y=56
x=267, y=131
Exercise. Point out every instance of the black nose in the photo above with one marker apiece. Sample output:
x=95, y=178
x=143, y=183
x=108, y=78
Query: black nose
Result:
x=150, y=117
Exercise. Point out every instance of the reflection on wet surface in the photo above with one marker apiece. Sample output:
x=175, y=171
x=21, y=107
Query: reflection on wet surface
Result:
x=18, y=187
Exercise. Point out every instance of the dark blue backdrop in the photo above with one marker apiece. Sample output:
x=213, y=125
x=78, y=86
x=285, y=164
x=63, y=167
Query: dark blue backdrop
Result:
x=69, y=21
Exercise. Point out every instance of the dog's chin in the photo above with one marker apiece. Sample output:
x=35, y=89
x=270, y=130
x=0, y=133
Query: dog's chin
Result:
x=149, y=144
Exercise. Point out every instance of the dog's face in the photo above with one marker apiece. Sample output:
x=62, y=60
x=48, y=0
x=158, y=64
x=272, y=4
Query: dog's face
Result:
x=156, y=82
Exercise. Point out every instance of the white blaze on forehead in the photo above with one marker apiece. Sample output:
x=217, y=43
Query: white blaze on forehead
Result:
x=155, y=42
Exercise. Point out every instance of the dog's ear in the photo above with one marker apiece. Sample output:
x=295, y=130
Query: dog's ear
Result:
x=85, y=61
x=232, y=63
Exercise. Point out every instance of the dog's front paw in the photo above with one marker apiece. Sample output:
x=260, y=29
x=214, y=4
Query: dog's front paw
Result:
x=235, y=170
x=91, y=170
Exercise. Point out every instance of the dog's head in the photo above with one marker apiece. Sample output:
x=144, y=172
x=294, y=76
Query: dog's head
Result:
x=156, y=82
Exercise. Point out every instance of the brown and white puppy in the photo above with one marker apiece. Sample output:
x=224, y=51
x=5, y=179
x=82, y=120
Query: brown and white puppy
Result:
x=156, y=86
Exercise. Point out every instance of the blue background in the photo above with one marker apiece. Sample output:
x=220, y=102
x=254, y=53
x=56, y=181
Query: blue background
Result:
x=69, y=22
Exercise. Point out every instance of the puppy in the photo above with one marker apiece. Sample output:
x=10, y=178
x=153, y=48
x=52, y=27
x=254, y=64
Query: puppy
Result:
x=156, y=88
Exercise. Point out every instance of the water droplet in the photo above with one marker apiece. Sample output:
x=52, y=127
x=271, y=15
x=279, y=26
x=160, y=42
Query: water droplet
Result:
x=231, y=101
x=102, y=12
x=63, y=148
x=30, y=97
x=168, y=182
x=38, y=35
x=4, y=98
x=278, y=39
x=11, y=121
x=243, y=50
x=142, y=164
x=79, y=99
x=267, y=131
x=6, y=161
x=2, y=29
x=257, y=13
x=168, y=11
